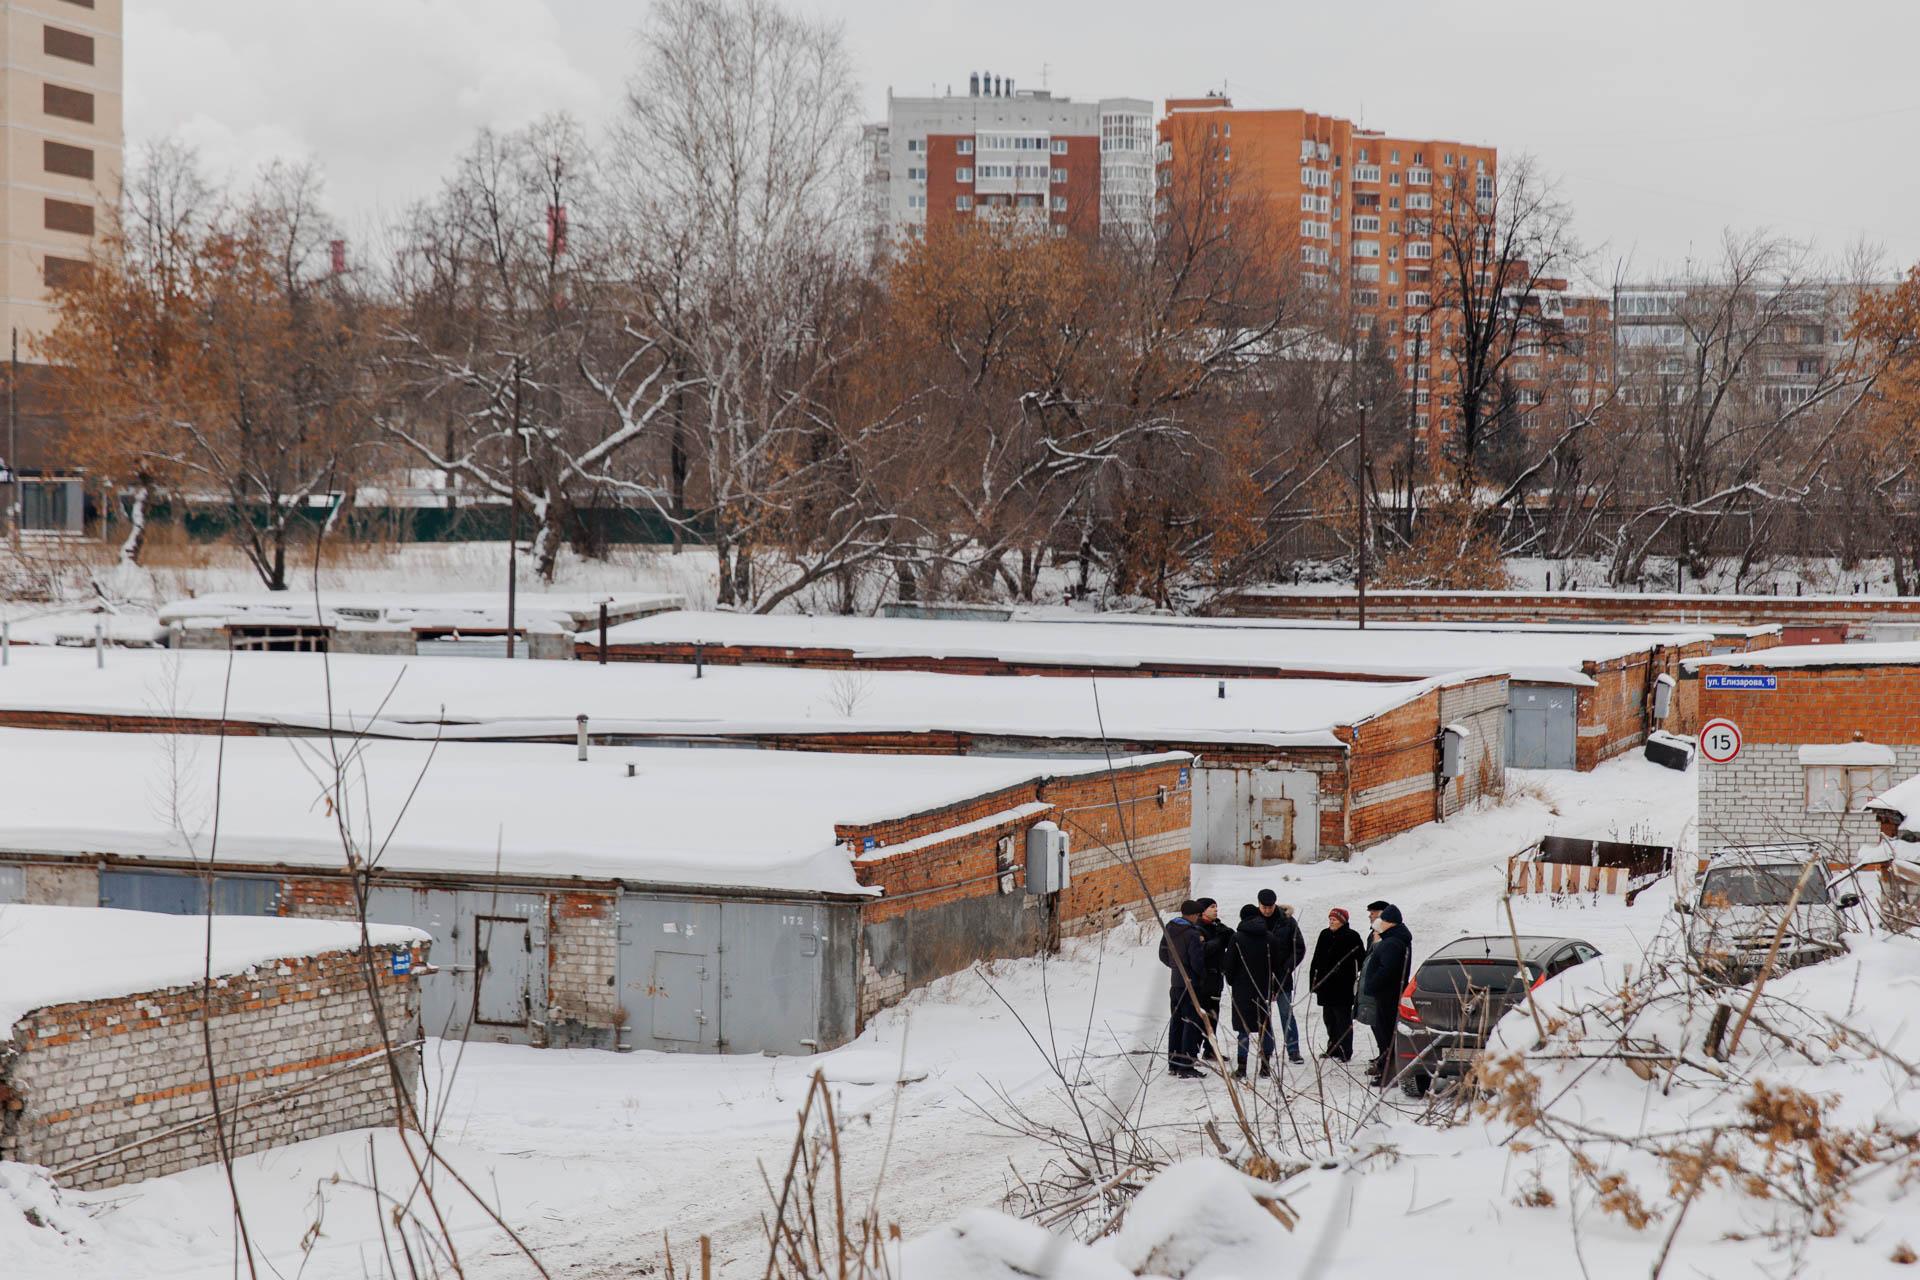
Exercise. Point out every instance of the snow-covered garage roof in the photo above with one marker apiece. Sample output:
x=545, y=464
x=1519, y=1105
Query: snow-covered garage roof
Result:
x=688, y=816
x=409, y=609
x=481, y=699
x=1541, y=655
x=60, y=955
x=1905, y=653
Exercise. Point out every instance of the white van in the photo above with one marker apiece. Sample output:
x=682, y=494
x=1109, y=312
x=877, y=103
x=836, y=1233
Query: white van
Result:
x=1738, y=903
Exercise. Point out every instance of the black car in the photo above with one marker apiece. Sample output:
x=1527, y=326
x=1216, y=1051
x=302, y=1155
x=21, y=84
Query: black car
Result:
x=1460, y=991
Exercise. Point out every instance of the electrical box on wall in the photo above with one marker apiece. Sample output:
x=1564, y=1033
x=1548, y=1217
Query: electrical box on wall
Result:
x=1046, y=858
x=1453, y=740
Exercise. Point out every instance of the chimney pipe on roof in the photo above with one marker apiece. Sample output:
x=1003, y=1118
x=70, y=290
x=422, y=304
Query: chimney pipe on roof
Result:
x=973, y=85
x=1009, y=86
x=581, y=722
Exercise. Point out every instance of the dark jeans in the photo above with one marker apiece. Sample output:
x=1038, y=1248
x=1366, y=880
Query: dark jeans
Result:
x=1289, y=1025
x=1266, y=1044
x=1339, y=1019
x=1183, y=1032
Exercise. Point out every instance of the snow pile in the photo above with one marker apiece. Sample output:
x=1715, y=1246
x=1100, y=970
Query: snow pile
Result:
x=1199, y=1218
x=40, y=1233
x=60, y=955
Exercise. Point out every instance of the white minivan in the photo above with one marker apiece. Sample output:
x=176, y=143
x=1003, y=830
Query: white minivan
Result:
x=1739, y=901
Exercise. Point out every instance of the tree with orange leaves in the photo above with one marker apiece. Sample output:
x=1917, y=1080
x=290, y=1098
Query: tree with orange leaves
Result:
x=1886, y=337
x=211, y=353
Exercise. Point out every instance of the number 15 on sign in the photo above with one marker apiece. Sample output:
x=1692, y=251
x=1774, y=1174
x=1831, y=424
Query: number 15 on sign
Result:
x=1720, y=740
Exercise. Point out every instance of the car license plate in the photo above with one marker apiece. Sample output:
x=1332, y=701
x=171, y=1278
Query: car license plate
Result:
x=1458, y=1055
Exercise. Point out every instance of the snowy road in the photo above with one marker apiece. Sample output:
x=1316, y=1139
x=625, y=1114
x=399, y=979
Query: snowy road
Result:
x=600, y=1156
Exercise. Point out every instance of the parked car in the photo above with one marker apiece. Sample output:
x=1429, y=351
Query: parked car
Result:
x=1739, y=903
x=1460, y=991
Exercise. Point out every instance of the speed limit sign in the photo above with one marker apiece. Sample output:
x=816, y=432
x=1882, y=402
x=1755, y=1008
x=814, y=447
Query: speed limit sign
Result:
x=1720, y=740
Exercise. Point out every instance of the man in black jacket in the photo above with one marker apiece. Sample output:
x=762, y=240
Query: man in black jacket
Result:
x=1289, y=948
x=1183, y=950
x=1253, y=976
x=1382, y=978
x=1333, y=977
x=1213, y=978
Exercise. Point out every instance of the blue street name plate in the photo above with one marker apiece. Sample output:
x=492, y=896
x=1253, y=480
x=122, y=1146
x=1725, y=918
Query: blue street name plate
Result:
x=403, y=962
x=1757, y=684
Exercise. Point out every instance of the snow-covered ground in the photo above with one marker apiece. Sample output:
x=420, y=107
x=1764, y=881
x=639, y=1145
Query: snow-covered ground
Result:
x=596, y=1156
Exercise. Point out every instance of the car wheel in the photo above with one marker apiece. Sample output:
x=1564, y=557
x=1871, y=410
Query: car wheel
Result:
x=1415, y=1083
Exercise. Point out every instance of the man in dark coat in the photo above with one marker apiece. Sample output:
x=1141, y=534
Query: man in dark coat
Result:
x=1213, y=984
x=1252, y=977
x=1332, y=978
x=1183, y=950
x=1289, y=949
x=1382, y=978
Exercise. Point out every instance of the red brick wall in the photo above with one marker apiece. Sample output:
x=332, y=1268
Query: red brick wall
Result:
x=1701, y=611
x=1821, y=704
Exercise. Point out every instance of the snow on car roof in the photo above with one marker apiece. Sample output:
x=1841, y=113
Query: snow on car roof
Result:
x=697, y=816
x=472, y=698
x=1536, y=655
x=61, y=955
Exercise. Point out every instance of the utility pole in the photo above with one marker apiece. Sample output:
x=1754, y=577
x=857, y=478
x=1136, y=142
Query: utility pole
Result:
x=1366, y=516
x=513, y=505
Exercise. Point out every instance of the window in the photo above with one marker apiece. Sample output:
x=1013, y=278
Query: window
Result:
x=65, y=215
x=1366, y=173
x=1418, y=250
x=916, y=175
x=1059, y=204
x=963, y=147
x=1419, y=201
x=1447, y=160
x=1366, y=224
x=963, y=203
x=1366, y=274
x=1306, y=148
x=1059, y=175
x=1059, y=146
x=916, y=202
x=1366, y=297
x=1366, y=248
x=1483, y=187
x=65, y=272
x=1393, y=179
x=1393, y=202
x=964, y=174
x=71, y=162
x=920, y=144
x=70, y=45
x=1845, y=788
x=68, y=104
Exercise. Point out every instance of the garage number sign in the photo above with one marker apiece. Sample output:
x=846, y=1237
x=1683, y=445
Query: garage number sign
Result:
x=1720, y=740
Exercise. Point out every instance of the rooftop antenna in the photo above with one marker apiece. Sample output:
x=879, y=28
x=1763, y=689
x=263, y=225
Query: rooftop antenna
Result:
x=1045, y=67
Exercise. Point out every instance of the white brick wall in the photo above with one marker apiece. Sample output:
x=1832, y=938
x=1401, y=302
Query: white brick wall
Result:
x=82, y=1080
x=1761, y=798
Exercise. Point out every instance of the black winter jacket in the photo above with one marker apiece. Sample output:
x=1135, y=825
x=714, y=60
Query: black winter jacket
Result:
x=1182, y=938
x=1384, y=975
x=1289, y=948
x=1253, y=973
x=1219, y=942
x=1335, y=970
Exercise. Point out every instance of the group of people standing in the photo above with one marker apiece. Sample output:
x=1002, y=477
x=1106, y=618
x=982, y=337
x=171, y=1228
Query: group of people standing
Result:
x=1349, y=977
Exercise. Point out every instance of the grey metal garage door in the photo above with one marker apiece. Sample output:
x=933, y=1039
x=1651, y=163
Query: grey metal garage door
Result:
x=1542, y=723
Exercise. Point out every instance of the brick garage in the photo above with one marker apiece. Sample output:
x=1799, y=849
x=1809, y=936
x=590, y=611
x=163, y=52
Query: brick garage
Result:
x=1353, y=761
x=953, y=880
x=681, y=899
x=1841, y=724
x=103, y=1071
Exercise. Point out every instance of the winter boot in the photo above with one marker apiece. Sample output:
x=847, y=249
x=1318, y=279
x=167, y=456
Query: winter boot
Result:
x=1266, y=1067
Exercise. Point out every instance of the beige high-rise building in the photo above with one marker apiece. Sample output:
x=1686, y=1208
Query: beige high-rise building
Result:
x=61, y=142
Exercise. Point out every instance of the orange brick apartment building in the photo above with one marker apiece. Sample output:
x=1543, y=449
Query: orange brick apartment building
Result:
x=1363, y=208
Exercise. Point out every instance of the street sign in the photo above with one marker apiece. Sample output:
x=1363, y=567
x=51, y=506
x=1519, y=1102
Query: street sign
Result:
x=402, y=963
x=1750, y=684
x=1720, y=740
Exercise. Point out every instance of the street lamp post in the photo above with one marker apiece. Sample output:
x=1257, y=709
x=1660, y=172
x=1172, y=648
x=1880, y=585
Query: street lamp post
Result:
x=1366, y=523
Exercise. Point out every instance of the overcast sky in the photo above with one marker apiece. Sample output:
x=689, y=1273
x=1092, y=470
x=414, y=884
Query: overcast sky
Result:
x=1665, y=121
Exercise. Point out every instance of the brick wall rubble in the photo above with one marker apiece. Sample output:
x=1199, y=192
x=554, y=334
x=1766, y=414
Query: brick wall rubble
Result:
x=82, y=1081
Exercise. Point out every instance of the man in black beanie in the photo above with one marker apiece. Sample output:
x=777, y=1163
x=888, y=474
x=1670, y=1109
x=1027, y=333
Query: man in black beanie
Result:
x=1289, y=949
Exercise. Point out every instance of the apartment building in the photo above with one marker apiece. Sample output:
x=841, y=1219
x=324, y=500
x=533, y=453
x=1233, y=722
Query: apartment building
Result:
x=63, y=138
x=1798, y=335
x=1022, y=157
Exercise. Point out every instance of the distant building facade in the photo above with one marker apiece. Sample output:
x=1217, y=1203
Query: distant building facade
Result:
x=64, y=139
x=1022, y=157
